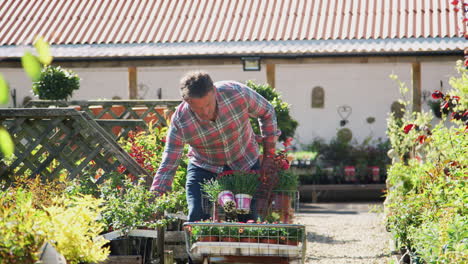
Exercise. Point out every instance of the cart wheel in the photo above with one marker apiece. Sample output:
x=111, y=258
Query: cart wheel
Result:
x=206, y=260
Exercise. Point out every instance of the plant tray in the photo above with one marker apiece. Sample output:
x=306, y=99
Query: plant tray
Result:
x=200, y=249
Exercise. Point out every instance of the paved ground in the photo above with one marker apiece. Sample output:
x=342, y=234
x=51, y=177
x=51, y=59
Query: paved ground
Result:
x=342, y=233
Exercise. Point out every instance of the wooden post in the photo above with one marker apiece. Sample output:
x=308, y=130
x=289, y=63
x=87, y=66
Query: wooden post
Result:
x=270, y=72
x=168, y=256
x=160, y=244
x=132, y=83
x=416, y=84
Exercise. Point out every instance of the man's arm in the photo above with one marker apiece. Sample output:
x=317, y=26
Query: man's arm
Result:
x=262, y=109
x=162, y=182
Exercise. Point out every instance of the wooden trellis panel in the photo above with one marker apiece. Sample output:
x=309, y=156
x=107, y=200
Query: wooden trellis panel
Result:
x=54, y=141
x=155, y=111
x=116, y=109
x=120, y=128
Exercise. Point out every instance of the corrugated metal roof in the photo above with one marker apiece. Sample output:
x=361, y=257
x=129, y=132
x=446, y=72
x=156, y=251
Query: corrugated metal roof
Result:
x=242, y=48
x=210, y=22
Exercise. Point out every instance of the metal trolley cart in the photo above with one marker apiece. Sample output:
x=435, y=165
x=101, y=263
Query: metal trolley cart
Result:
x=250, y=243
x=229, y=242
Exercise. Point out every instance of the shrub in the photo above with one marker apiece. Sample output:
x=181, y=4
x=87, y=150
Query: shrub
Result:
x=147, y=148
x=286, y=123
x=427, y=191
x=56, y=83
x=69, y=223
x=21, y=227
x=73, y=228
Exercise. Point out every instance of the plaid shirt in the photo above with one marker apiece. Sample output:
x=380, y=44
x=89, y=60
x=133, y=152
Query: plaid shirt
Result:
x=229, y=140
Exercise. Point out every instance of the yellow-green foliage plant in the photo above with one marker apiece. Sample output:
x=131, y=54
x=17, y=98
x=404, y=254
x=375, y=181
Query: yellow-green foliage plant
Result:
x=73, y=228
x=21, y=227
x=426, y=204
x=69, y=223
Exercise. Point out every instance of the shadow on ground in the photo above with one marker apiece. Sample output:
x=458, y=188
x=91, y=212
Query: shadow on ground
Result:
x=317, y=238
x=314, y=209
x=340, y=259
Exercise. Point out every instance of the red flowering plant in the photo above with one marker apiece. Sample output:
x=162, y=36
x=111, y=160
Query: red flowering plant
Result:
x=146, y=147
x=287, y=181
x=461, y=8
x=428, y=173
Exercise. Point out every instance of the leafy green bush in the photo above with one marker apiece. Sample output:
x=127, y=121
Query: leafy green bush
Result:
x=427, y=191
x=56, y=83
x=286, y=123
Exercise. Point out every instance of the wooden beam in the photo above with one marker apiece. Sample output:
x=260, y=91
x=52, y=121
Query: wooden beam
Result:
x=270, y=72
x=235, y=61
x=132, y=83
x=416, y=86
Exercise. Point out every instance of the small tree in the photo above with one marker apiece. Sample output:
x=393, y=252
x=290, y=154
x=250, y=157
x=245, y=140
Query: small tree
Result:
x=286, y=123
x=56, y=83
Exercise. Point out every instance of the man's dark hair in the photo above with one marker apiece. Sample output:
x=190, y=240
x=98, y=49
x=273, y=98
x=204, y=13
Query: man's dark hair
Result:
x=195, y=85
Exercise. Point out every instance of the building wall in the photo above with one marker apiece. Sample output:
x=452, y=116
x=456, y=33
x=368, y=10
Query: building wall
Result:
x=366, y=87
x=167, y=78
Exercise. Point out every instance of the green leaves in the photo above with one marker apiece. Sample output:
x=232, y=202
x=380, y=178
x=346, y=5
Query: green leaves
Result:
x=43, y=50
x=3, y=90
x=31, y=65
x=7, y=147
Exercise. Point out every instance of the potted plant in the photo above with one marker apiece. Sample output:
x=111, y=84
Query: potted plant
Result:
x=229, y=233
x=249, y=234
x=56, y=83
x=243, y=184
x=271, y=235
x=132, y=216
x=213, y=189
x=282, y=194
x=205, y=232
x=291, y=236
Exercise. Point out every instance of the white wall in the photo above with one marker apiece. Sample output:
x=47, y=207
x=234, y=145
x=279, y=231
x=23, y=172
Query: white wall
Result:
x=168, y=78
x=434, y=72
x=18, y=80
x=101, y=83
x=365, y=87
x=95, y=83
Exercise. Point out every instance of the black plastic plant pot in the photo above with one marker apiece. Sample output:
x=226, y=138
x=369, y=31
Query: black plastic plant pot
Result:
x=142, y=246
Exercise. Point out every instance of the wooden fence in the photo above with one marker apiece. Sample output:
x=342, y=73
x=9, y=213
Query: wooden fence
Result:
x=53, y=142
x=119, y=116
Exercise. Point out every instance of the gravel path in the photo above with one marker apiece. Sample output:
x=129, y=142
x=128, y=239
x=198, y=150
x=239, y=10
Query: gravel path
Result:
x=342, y=233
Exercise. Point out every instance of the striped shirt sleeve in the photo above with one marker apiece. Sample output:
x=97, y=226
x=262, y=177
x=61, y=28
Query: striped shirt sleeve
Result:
x=260, y=108
x=173, y=151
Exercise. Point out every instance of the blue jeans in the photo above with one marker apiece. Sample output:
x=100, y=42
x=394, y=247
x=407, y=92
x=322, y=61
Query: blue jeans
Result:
x=196, y=176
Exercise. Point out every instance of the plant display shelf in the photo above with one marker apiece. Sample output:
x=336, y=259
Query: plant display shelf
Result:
x=277, y=243
x=317, y=190
x=140, y=245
